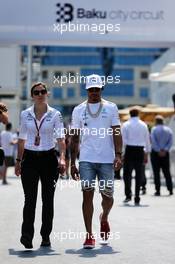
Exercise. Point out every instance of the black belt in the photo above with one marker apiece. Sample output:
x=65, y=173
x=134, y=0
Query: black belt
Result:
x=134, y=147
x=39, y=153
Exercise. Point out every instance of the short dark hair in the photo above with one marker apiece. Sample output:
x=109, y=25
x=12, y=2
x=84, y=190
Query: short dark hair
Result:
x=9, y=126
x=134, y=112
x=159, y=119
x=173, y=98
x=38, y=84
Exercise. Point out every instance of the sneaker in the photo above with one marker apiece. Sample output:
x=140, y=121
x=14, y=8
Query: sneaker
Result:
x=143, y=191
x=89, y=242
x=171, y=192
x=104, y=229
x=127, y=199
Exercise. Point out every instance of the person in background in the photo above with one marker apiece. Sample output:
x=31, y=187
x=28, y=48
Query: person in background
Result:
x=162, y=140
x=37, y=160
x=7, y=143
x=144, y=180
x=173, y=98
x=15, y=137
x=3, y=113
x=3, y=120
x=136, y=140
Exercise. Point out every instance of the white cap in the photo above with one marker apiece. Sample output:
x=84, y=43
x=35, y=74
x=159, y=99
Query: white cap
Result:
x=94, y=80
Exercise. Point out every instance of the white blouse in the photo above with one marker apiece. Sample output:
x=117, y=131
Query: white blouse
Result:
x=51, y=128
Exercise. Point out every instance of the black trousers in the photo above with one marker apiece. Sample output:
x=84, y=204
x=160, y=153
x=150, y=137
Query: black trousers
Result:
x=37, y=166
x=144, y=180
x=163, y=163
x=133, y=159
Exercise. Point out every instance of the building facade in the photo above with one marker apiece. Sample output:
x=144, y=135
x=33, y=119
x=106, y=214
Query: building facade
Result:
x=129, y=68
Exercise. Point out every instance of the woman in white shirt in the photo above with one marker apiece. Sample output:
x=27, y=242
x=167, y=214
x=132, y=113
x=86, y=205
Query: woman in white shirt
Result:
x=36, y=160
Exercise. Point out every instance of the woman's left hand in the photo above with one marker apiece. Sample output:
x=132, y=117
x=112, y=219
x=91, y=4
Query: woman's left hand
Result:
x=62, y=166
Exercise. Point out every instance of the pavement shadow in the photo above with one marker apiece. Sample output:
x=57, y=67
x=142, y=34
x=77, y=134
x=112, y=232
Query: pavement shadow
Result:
x=33, y=253
x=162, y=195
x=136, y=206
x=91, y=253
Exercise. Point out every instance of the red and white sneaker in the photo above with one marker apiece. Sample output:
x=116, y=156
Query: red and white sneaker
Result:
x=104, y=229
x=89, y=242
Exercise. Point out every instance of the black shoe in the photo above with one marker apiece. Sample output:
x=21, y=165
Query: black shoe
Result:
x=45, y=243
x=4, y=182
x=143, y=191
x=157, y=193
x=137, y=200
x=127, y=199
x=26, y=242
x=171, y=192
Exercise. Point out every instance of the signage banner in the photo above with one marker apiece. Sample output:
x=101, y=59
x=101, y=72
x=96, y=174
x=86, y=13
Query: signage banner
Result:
x=88, y=23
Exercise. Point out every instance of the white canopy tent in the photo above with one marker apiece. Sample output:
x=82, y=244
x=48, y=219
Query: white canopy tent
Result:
x=167, y=74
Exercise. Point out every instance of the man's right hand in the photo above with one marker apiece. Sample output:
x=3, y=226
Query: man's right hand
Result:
x=162, y=153
x=75, y=173
x=18, y=168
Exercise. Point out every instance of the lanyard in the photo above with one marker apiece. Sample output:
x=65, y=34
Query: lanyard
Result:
x=38, y=128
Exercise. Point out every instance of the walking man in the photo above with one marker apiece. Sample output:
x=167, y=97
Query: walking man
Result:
x=137, y=145
x=162, y=140
x=97, y=121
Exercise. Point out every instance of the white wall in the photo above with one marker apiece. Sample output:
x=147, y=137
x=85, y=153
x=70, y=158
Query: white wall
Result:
x=10, y=81
x=161, y=92
x=9, y=69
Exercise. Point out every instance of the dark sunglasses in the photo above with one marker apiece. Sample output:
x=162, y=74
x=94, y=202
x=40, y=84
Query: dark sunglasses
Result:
x=96, y=90
x=38, y=92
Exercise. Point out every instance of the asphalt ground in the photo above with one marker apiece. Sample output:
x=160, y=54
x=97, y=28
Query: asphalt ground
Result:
x=139, y=235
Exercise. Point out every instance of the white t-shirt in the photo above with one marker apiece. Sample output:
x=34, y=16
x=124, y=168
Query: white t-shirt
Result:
x=96, y=133
x=6, y=139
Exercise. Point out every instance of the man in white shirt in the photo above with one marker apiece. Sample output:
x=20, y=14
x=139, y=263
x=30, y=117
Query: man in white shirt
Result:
x=96, y=124
x=136, y=140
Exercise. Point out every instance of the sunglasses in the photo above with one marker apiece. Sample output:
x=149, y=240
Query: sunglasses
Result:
x=38, y=92
x=96, y=90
